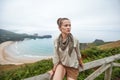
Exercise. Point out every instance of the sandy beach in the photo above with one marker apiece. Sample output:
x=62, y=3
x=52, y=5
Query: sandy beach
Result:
x=9, y=58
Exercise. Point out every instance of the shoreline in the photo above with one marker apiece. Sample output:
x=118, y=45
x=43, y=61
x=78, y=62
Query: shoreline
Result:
x=7, y=58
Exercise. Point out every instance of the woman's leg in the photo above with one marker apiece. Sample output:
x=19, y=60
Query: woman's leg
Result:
x=59, y=73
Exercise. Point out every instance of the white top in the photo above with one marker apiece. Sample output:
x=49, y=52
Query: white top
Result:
x=70, y=61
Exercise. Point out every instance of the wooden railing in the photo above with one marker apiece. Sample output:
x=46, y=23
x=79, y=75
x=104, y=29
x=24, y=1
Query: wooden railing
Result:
x=104, y=64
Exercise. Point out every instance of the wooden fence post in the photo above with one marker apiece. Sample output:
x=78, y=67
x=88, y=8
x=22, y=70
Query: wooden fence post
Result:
x=108, y=73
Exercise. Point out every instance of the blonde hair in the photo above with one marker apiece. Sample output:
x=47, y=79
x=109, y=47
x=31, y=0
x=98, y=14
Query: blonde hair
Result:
x=60, y=20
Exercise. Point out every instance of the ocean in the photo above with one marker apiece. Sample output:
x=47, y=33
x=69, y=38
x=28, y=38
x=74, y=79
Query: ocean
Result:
x=44, y=47
x=32, y=48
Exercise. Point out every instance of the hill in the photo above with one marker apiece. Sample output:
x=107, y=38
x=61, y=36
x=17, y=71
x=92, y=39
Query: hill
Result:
x=98, y=42
x=114, y=44
x=6, y=35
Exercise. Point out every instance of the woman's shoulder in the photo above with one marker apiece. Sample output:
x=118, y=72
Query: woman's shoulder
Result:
x=55, y=39
x=75, y=39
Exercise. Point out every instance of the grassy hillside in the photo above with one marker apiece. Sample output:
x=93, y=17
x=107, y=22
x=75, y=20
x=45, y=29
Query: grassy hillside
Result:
x=95, y=43
x=114, y=44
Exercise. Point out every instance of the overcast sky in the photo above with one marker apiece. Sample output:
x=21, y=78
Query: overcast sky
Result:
x=97, y=18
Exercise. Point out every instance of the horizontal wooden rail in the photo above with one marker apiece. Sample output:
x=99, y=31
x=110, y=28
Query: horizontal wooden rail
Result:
x=100, y=62
x=116, y=64
x=98, y=72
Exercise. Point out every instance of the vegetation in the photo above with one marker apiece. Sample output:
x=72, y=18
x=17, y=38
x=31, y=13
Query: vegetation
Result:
x=26, y=70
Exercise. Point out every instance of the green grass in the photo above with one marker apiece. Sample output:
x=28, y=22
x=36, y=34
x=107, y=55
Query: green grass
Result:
x=27, y=70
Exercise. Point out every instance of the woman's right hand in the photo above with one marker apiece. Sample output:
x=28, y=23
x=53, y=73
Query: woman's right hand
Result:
x=54, y=68
x=81, y=65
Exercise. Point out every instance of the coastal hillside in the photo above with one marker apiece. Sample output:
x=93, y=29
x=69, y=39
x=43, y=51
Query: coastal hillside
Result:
x=6, y=35
x=96, y=42
x=110, y=45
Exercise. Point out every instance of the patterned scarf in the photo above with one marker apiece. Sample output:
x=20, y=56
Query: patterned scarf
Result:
x=63, y=45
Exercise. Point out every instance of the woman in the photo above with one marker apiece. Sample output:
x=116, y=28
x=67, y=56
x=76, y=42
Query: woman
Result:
x=66, y=49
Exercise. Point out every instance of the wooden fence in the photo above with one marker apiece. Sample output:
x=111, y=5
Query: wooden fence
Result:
x=104, y=64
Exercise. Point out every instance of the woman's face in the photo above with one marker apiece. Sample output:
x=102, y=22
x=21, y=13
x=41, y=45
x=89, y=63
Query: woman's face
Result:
x=65, y=27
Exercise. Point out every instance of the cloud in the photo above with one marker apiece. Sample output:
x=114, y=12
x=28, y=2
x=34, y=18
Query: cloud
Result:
x=42, y=14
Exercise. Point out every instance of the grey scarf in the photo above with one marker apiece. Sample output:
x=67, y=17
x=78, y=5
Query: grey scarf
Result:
x=63, y=45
